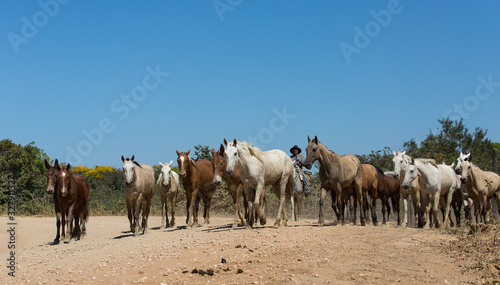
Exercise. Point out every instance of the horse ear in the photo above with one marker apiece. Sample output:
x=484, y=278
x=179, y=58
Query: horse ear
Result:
x=213, y=152
x=68, y=167
x=123, y=159
x=159, y=162
x=133, y=157
x=56, y=163
x=412, y=160
x=452, y=165
x=178, y=153
x=468, y=157
x=57, y=167
x=235, y=142
x=47, y=165
x=221, y=149
x=187, y=153
x=393, y=153
x=404, y=152
x=315, y=140
x=170, y=164
x=225, y=141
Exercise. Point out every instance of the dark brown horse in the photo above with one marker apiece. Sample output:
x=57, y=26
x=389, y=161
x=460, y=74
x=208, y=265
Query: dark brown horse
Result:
x=388, y=188
x=233, y=182
x=197, y=179
x=72, y=196
x=51, y=174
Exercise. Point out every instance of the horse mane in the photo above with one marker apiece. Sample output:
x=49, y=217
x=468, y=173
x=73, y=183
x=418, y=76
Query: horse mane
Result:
x=254, y=151
x=428, y=160
x=379, y=170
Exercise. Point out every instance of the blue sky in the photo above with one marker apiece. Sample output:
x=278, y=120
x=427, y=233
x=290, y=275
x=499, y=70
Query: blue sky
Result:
x=89, y=81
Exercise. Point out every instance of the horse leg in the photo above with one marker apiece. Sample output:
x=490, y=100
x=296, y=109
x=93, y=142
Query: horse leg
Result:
x=259, y=191
x=449, y=198
x=281, y=187
x=145, y=214
x=237, y=203
x=137, y=213
x=361, y=197
x=58, y=225
x=293, y=207
x=173, y=202
x=130, y=220
x=192, y=220
x=321, y=220
x=164, y=209
x=374, y=207
x=69, y=221
x=353, y=207
x=435, y=209
x=251, y=210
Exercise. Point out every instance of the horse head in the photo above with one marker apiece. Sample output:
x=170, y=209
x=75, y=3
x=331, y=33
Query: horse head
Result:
x=166, y=173
x=312, y=152
x=410, y=171
x=51, y=174
x=461, y=159
x=128, y=170
x=398, y=163
x=231, y=155
x=183, y=161
x=218, y=164
x=64, y=178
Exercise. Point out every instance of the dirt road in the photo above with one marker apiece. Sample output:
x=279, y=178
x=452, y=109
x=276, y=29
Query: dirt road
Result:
x=302, y=253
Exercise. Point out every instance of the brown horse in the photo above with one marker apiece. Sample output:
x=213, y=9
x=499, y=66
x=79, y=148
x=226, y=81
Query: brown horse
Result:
x=370, y=186
x=72, y=194
x=336, y=172
x=51, y=174
x=233, y=182
x=388, y=188
x=197, y=179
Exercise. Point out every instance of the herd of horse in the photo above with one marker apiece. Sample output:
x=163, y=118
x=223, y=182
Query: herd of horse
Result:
x=248, y=171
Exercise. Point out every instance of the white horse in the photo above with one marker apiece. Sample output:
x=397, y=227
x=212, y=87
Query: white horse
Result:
x=168, y=187
x=478, y=184
x=139, y=191
x=399, y=162
x=435, y=180
x=259, y=169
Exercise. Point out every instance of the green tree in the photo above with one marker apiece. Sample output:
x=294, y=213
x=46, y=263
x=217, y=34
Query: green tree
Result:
x=381, y=158
x=26, y=165
x=452, y=138
x=202, y=152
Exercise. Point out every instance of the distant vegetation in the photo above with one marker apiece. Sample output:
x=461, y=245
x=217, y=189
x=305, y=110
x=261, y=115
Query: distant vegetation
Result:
x=26, y=165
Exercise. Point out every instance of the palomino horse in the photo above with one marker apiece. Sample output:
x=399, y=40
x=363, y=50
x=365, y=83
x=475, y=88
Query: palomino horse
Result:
x=197, y=179
x=370, y=185
x=336, y=172
x=399, y=162
x=72, y=193
x=233, y=183
x=139, y=189
x=259, y=169
x=51, y=174
x=435, y=180
x=388, y=188
x=479, y=185
x=168, y=187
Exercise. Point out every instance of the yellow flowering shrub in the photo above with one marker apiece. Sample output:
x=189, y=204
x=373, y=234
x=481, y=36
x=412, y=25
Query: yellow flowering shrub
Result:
x=97, y=171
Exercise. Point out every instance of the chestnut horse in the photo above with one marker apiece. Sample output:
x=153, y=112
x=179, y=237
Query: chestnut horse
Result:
x=197, y=179
x=336, y=172
x=72, y=196
x=233, y=182
x=139, y=188
x=388, y=188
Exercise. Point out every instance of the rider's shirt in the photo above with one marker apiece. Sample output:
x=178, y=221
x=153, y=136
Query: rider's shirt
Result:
x=301, y=158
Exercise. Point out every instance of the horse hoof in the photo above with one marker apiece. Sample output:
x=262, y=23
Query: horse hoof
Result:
x=172, y=224
x=263, y=221
x=162, y=227
x=248, y=227
x=363, y=223
x=56, y=241
x=321, y=223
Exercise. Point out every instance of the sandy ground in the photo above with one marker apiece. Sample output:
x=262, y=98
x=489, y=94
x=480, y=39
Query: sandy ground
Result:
x=302, y=253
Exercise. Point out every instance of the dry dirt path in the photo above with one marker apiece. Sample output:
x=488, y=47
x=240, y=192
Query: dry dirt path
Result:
x=302, y=253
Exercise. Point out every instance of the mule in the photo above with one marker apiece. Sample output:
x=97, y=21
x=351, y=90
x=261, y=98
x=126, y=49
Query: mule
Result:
x=478, y=184
x=257, y=170
x=139, y=188
x=168, y=187
x=233, y=183
x=336, y=172
x=435, y=180
x=388, y=189
x=197, y=179
x=72, y=191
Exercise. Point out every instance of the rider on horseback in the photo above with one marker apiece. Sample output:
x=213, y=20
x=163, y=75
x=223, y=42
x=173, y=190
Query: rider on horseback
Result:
x=298, y=161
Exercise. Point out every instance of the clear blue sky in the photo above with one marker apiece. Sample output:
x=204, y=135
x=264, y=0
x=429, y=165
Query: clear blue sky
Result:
x=361, y=75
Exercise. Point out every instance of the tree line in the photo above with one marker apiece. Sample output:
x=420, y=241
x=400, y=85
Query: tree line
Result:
x=26, y=165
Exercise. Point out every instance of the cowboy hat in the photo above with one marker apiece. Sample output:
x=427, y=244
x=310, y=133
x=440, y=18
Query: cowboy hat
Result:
x=295, y=147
